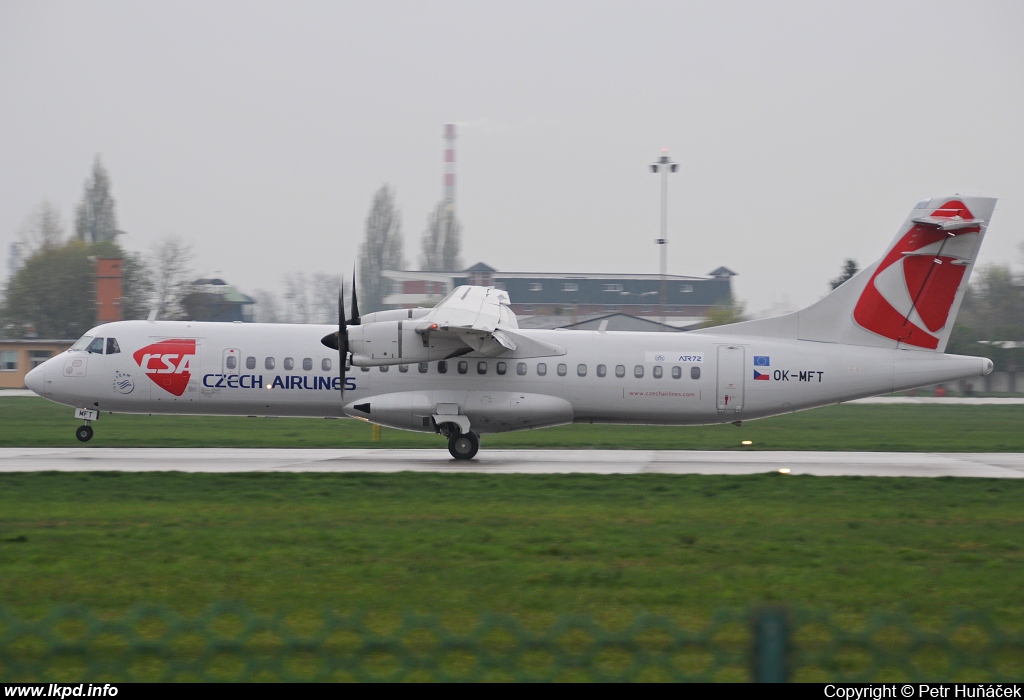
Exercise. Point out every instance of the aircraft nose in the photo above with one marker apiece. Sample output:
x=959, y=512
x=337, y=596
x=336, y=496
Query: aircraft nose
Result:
x=35, y=379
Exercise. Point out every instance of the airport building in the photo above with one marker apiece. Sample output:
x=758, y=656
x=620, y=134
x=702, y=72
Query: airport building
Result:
x=213, y=299
x=19, y=356
x=576, y=298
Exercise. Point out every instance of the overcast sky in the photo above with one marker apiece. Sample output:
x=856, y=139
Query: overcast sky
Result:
x=259, y=131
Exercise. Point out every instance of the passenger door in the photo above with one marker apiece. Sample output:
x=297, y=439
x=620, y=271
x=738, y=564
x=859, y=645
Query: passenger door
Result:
x=730, y=378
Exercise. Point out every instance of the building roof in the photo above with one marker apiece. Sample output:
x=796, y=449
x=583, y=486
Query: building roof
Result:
x=480, y=267
x=606, y=290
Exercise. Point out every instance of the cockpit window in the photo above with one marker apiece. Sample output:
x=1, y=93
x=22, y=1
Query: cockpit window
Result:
x=112, y=346
x=82, y=343
x=96, y=346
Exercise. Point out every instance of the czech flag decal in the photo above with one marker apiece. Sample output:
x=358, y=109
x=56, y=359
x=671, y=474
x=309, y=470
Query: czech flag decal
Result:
x=761, y=377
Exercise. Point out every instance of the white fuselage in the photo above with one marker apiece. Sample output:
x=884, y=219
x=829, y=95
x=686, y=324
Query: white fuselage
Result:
x=666, y=378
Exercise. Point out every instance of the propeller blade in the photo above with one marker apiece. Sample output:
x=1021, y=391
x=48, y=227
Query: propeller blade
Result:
x=355, y=305
x=342, y=339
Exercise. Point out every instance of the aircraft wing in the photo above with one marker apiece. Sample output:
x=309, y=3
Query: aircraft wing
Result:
x=474, y=315
x=470, y=319
x=479, y=308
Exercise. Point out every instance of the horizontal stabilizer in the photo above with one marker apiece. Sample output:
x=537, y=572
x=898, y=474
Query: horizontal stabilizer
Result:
x=953, y=224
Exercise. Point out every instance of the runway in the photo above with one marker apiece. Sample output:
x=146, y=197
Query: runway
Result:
x=988, y=465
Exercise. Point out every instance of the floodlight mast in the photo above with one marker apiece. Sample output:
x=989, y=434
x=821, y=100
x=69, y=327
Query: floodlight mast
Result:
x=664, y=165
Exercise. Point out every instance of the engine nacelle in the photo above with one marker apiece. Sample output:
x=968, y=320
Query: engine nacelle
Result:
x=395, y=315
x=485, y=411
x=397, y=342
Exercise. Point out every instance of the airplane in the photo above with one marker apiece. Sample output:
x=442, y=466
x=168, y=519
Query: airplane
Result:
x=464, y=368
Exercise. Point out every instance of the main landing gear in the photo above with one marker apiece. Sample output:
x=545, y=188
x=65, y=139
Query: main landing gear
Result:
x=463, y=445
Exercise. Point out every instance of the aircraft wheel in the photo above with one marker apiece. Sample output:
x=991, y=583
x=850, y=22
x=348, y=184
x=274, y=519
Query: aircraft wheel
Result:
x=464, y=445
x=84, y=433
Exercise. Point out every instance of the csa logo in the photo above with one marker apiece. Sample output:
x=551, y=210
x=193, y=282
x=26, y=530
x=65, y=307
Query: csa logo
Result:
x=123, y=383
x=911, y=293
x=168, y=363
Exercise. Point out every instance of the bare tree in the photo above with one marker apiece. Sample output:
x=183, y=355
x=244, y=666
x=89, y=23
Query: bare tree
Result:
x=296, y=298
x=171, y=265
x=324, y=297
x=42, y=230
x=95, y=219
x=267, y=307
x=442, y=240
x=382, y=250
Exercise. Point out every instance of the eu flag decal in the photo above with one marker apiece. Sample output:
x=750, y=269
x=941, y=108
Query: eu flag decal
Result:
x=762, y=377
x=761, y=361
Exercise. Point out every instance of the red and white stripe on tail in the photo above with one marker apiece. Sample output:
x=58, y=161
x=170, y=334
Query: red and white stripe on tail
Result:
x=907, y=299
x=914, y=292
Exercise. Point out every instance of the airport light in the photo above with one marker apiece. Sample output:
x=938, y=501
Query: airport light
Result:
x=664, y=165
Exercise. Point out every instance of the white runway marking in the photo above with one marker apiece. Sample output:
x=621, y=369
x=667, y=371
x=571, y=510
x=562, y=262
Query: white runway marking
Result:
x=991, y=465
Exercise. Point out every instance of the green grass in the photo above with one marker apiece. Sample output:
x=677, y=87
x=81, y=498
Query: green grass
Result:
x=533, y=546
x=34, y=422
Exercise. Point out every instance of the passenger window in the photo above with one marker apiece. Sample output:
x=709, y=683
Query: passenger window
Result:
x=501, y=368
x=620, y=371
x=250, y=363
x=521, y=368
x=442, y=367
x=562, y=369
x=384, y=368
x=657, y=372
x=677, y=372
x=638, y=371
x=403, y=368
x=289, y=363
x=542, y=369
x=231, y=362
x=463, y=366
x=269, y=363
x=602, y=370
x=581, y=370
x=481, y=368
x=325, y=364
x=422, y=367
x=364, y=369
x=112, y=347
x=695, y=373
x=96, y=346
x=307, y=363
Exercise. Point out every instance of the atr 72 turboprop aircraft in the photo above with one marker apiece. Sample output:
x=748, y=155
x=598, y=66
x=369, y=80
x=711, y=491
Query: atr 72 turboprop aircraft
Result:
x=465, y=368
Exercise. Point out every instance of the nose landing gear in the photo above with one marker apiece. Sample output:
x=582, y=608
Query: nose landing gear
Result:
x=84, y=432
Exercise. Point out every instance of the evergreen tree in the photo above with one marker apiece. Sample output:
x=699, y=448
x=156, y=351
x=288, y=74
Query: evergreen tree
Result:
x=442, y=241
x=382, y=250
x=849, y=270
x=95, y=219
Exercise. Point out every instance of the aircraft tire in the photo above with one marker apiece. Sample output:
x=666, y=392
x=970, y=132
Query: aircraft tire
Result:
x=464, y=445
x=84, y=433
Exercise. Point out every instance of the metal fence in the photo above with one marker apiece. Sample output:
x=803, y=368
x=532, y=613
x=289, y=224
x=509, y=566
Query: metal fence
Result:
x=231, y=643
